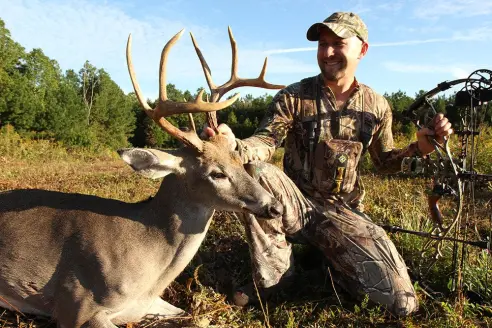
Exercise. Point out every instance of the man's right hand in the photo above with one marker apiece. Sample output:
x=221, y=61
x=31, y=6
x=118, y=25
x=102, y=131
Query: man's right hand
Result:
x=224, y=130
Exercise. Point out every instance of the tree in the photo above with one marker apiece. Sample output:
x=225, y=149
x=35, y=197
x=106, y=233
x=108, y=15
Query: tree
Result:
x=70, y=118
x=89, y=79
x=231, y=119
x=112, y=118
x=12, y=83
x=44, y=78
x=399, y=102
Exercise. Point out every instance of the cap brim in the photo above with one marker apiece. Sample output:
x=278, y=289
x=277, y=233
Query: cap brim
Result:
x=313, y=32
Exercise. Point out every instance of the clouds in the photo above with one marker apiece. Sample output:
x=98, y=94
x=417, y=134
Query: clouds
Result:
x=461, y=8
x=424, y=9
x=289, y=50
x=456, y=71
x=481, y=33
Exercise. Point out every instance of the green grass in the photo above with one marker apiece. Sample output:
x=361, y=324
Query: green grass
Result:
x=223, y=260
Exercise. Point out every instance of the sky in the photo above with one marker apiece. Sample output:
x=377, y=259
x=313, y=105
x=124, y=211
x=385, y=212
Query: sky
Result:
x=413, y=45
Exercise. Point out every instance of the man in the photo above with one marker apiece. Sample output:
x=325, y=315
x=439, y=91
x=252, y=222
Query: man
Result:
x=327, y=122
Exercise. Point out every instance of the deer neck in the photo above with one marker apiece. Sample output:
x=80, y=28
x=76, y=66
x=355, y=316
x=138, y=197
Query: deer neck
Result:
x=176, y=214
x=180, y=224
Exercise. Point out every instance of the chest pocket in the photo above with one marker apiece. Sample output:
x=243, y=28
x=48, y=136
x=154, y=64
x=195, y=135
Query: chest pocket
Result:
x=335, y=166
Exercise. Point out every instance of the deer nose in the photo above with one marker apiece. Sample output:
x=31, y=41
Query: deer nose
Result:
x=275, y=210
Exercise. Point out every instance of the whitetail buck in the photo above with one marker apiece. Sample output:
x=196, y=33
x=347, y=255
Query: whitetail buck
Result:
x=94, y=262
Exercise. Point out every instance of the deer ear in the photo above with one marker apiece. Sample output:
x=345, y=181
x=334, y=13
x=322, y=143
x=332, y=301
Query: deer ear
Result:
x=151, y=163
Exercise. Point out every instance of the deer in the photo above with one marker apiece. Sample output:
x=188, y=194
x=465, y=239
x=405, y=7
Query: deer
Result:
x=87, y=261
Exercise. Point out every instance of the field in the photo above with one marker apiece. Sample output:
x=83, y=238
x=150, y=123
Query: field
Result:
x=223, y=259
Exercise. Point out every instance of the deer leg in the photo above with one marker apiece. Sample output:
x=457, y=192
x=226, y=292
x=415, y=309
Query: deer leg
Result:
x=75, y=307
x=161, y=308
x=100, y=320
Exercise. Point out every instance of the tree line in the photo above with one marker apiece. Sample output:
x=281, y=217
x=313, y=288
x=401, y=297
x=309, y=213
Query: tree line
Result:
x=87, y=108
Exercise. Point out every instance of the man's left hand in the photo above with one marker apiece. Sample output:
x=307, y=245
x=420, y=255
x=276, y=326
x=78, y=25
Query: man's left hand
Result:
x=441, y=128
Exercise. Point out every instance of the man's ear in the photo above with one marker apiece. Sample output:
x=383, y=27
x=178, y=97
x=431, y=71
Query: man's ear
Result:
x=151, y=163
x=363, y=51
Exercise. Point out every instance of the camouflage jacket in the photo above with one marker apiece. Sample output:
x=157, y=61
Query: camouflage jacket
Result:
x=366, y=117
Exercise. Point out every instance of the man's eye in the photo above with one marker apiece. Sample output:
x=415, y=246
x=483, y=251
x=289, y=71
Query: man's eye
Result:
x=218, y=175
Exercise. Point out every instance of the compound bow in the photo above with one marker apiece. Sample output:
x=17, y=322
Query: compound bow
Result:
x=451, y=176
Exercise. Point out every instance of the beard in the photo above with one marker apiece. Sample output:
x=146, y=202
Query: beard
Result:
x=333, y=69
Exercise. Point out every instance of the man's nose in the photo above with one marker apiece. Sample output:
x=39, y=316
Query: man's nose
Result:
x=329, y=51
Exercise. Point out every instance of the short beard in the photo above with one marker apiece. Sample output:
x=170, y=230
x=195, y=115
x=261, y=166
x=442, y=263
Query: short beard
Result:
x=333, y=76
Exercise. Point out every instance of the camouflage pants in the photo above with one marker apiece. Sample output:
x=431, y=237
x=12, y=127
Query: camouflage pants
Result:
x=359, y=250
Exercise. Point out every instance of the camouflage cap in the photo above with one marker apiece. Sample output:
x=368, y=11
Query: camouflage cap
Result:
x=343, y=24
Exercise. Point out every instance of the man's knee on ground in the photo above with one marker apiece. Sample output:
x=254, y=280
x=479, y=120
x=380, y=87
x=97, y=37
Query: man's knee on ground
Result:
x=406, y=303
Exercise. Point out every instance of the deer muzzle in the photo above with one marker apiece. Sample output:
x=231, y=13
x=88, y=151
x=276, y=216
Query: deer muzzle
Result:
x=269, y=210
x=274, y=210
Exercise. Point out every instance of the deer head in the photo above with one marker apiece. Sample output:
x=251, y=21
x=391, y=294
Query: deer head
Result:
x=209, y=171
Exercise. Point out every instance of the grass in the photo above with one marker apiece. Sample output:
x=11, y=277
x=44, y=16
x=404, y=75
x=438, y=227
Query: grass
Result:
x=223, y=260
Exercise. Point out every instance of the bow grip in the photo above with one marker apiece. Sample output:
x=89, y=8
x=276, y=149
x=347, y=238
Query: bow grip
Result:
x=433, y=202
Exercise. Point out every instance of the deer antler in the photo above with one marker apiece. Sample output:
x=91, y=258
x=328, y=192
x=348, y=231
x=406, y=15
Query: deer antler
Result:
x=166, y=107
x=234, y=82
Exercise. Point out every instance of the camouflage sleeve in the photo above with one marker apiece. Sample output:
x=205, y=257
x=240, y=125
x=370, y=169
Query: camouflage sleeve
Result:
x=273, y=128
x=384, y=156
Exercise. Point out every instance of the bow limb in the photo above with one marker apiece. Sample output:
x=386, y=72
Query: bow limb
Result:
x=448, y=170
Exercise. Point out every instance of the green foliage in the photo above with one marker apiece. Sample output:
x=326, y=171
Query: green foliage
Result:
x=409, y=130
x=231, y=119
x=399, y=101
x=245, y=114
x=14, y=146
x=84, y=109
x=112, y=118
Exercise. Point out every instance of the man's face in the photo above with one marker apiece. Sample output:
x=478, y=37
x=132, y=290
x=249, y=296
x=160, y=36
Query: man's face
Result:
x=337, y=57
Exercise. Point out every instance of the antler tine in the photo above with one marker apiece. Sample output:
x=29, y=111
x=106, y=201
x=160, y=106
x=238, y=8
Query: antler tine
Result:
x=234, y=55
x=212, y=116
x=187, y=138
x=166, y=107
x=234, y=82
x=162, y=66
x=263, y=70
x=191, y=122
x=133, y=77
x=203, y=62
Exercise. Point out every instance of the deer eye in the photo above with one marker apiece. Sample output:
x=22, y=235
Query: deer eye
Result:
x=216, y=175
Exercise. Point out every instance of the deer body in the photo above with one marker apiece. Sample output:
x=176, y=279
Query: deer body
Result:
x=58, y=252
x=123, y=261
x=79, y=257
